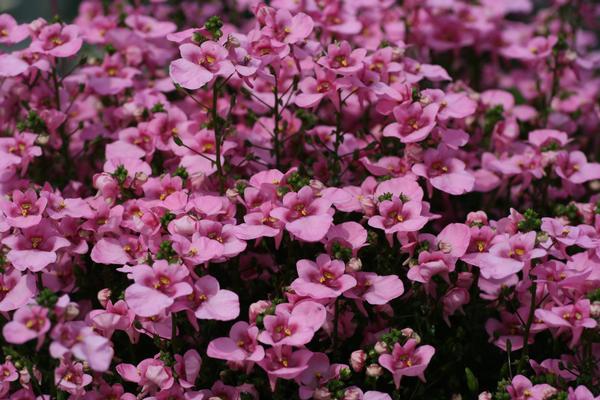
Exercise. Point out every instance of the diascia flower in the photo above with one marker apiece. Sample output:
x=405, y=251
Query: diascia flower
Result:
x=305, y=216
x=323, y=279
x=200, y=64
x=156, y=287
x=407, y=360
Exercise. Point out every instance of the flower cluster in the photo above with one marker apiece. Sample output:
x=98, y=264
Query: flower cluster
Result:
x=351, y=199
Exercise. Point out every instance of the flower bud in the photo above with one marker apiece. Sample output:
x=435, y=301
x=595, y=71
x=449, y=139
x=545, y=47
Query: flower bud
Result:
x=104, y=296
x=357, y=360
x=485, y=396
x=374, y=370
x=352, y=393
x=258, y=308
x=354, y=265
x=322, y=393
x=595, y=309
x=72, y=311
x=381, y=347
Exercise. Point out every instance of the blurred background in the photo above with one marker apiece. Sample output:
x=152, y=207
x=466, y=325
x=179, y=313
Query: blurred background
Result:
x=27, y=10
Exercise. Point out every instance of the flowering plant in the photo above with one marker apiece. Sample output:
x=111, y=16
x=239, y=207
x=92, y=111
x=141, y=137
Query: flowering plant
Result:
x=346, y=199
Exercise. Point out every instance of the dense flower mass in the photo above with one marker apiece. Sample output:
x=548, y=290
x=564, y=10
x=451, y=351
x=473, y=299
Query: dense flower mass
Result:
x=345, y=199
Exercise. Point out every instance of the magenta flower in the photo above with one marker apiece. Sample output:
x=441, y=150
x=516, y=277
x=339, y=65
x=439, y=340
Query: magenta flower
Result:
x=57, y=40
x=199, y=65
x=34, y=248
x=29, y=322
x=289, y=29
x=281, y=362
x=315, y=89
x=445, y=172
x=187, y=368
x=324, y=279
x=376, y=289
x=572, y=318
x=156, y=288
x=25, y=210
x=398, y=216
x=306, y=217
x=293, y=328
x=407, y=360
x=342, y=60
x=150, y=374
x=71, y=378
x=212, y=302
x=575, y=168
x=16, y=290
x=521, y=388
x=80, y=340
x=241, y=345
x=413, y=122
x=148, y=27
x=10, y=31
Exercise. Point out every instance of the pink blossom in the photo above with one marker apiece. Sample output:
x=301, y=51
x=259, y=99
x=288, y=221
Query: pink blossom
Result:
x=521, y=388
x=25, y=210
x=29, y=322
x=16, y=290
x=295, y=327
x=413, y=122
x=57, y=40
x=212, y=302
x=241, y=345
x=10, y=31
x=283, y=363
x=570, y=318
x=322, y=279
x=342, y=59
x=407, y=360
x=199, y=65
x=35, y=247
x=305, y=216
x=445, y=172
x=156, y=288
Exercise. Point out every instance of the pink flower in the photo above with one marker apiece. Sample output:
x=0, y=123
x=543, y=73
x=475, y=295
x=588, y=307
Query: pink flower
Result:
x=116, y=316
x=306, y=217
x=214, y=302
x=81, y=341
x=241, y=345
x=199, y=65
x=287, y=28
x=11, y=65
x=151, y=374
x=521, y=388
x=407, y=360
x=156, y=288
x=324, y=279
x=444, y=172
x=295, y=327
x=16, y=290
x=281, y=362
x=396, y=215
x=537, y=48
x=29, y=322
x=187, y=368
x=25, y=210
x=35, y=248
x=581, y=393
x=315, y=89
x=376, y=289
x=574, y=318
x=57, y=40
x=575, y=168
x=70, y=377
x=148, y=27
x=342, y=59
x=413, y=122
x=10, y=31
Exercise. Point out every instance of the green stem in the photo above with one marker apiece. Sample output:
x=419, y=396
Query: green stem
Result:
x=532, y=306
x=218, y=138
x=277, y=119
